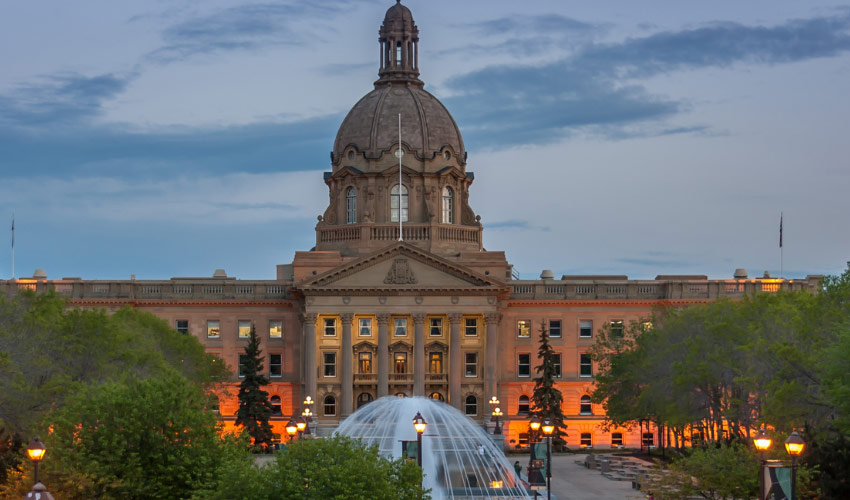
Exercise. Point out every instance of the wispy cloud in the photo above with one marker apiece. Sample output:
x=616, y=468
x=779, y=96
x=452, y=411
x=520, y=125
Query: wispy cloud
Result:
x=515, y=224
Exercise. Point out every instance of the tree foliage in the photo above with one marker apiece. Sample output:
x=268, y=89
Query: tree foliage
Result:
x=336, y=468
x=547, y=399
x=717, y=473
x=254, y=406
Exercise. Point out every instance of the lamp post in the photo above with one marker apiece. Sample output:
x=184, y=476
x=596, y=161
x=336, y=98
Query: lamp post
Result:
x=419, y=424
x=307, y=415
x=36, y=451
x=548, y=429
x=497, y=412
x=301, y=425
x=291, y=428
x=762, y=442
x=534, y=477
x=794, y=445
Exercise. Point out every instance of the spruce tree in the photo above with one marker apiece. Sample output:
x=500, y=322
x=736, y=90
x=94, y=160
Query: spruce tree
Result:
x=254, y=406
x=547, y=399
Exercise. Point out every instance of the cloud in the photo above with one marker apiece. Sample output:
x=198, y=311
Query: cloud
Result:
x=598, y=87
x=515, y=224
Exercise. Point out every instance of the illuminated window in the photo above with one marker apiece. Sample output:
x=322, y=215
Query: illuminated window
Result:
x=522, y=405
x=400, y=327
x=275, y=365
x=330, y=405
x=276, y=410
x=448, y=206
x=351, y=206
x=648, y=439
x=213, y=328
x=471, y=364
x=555, y=328
x=394, y=204
x=330, y=327
x=585, y=408
x=586, y=440
x=365, y=327
x=616, y=439
x=617, y=329
x=436, y=327
x=275, y=329
x=556, y=361
x=471, y=406
x=436, y=362
x=437, y=396
x=243, y=327
x=183, y=326
x=330, y=364
x=585, y=365
x=523, y=439
x=471, y=327
x=401, y=362
x=585, y=329
x=365, y=362
x=523, y=365
x=523, y=328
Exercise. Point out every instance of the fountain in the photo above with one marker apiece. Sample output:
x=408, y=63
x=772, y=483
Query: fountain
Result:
x=459, y=459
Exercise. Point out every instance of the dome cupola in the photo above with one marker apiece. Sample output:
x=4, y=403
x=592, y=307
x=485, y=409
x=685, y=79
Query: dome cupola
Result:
x=399, y=38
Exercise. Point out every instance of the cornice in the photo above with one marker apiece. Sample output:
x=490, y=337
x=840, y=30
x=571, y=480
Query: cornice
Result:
x=603, y=302
x=181, y=303
x=395, y=291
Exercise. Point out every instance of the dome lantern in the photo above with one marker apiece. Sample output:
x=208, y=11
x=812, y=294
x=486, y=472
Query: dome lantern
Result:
x=399, y=39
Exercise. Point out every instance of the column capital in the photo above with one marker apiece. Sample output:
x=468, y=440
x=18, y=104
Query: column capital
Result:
x=383, y=318
x=419, y=318
x=346, y=318
x=455, y=318
x=308, y=318
x=493, y=318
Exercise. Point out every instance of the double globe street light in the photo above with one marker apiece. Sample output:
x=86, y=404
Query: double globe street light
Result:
x=794, y=446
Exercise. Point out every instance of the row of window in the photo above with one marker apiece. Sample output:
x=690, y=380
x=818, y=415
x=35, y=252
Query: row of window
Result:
x=400, y=363
x=523, y=365
x=524, y=405
x=399, y=205
x=400, y=327
x=586, y=439
x=243, y=328
x=275, y=365
x=585, y=328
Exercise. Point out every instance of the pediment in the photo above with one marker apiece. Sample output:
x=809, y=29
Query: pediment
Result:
x=400, y=268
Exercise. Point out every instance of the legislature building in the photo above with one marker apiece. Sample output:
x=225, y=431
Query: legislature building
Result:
x=399, y=297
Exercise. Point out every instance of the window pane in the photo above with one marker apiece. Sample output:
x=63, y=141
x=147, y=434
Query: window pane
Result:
x=617, y=329
x=585, y=408
x=586, y=366
x=523, y=365
x=351, y=206
x=213, y=328
x=183, y=326
x=586, y=439
x=557, y=362
x=585, y=328
x=523, y=328
x=275, y=329
x=330, y=327
x=243, y=360
x=243, y=327
x=365, y=362
x=617, y=439
x=275, y=401
x=365, y=327
x=275, y=365
x=522, y=405
x=436, y=363
x=400, y=327
x=330, y=364
x=472, y=364
x=436, y=327
x=400, y=362
x=330, y=406
x=471, y=327
x=554, y=328
x=471, y=406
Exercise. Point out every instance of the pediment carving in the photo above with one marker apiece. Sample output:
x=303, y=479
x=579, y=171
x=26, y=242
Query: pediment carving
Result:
x=400, y=273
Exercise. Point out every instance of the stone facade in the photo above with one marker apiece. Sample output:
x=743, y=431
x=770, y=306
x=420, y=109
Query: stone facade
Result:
x=365, y=315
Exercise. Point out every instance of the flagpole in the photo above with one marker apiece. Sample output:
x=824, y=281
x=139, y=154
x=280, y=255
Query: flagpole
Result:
x=400, y=154
x=13, y=245
x=781, y=250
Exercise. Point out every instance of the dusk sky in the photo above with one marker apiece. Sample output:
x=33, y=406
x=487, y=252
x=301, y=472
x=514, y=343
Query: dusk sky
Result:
x=171, y=138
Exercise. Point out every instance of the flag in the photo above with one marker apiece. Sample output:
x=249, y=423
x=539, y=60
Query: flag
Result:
x=780, y=229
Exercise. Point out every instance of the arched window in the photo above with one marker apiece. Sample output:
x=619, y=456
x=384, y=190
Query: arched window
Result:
x=437, y=396
x=351, y=206
x=522, y=407
x=275, y=401
x=394, y=203
x=363, y=399
x=471, y=406
x=400, y=395
x=330, y=405
x=448, y=206
x=585, y=408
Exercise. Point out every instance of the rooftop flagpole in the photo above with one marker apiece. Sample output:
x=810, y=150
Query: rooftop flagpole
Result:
x=781, y=250
x=399, y=153
x=13, y=245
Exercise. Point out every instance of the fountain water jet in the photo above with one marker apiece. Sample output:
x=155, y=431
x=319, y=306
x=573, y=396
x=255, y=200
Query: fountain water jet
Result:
x=459, y=458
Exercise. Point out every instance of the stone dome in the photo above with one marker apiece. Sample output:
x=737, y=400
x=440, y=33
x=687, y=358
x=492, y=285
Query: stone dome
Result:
x=399, y=17
x=427, y=128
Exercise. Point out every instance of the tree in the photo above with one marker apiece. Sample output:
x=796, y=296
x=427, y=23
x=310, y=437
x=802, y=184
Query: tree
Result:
x=546, y=398
x=335, y=468
x=145, y=439
x=716, y=473
x=254, y=406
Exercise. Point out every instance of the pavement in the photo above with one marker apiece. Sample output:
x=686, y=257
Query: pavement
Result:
x=573, y=482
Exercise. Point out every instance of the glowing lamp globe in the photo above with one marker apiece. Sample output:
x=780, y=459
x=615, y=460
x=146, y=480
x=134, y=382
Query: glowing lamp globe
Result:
x=534, y=424
x=762, y=440
x=291, y=427
x=794, y=445
x=36, y=450
x=419, y=423
x=548, y=428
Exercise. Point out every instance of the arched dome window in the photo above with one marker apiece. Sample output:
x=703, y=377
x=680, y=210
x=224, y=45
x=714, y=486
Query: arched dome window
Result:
x=330, y=405
x=394, y=203
x=363, y=399
x=437, y=396
x=276, y=410
x=522, y=406
x=448, y=205
x=351, y=206
x=471, y=405
x=585, y=407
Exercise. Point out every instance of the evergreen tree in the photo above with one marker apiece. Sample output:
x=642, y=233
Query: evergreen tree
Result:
x=547, y=399
x=254, y=406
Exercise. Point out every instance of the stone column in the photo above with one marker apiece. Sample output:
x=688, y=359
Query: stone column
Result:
x=491, y=374
x=383, y=354
x=310, y=365
x=455, y=362
x=419, y=354
x=347, y=365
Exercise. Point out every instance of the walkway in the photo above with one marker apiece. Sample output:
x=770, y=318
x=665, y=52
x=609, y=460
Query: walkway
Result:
x=574, y=482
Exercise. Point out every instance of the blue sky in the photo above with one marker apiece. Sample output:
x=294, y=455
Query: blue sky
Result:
x=171, y=138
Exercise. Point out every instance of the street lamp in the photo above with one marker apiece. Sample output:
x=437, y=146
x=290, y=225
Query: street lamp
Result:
x=794, y=445
x=291, y=428
x=548, y=429
x=307, y=415
x=497, y=412
x=300, y=424
x=762, y=442
x=36, y=451
x=534, y=477
x=419, y=424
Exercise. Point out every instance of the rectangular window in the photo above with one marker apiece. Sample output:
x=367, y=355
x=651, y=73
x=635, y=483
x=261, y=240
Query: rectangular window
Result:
x=616, y=439
x=648, y=439
x=523, y=365
x=213, y=328
x=586, y=440
x=523, y=439
x=330, y=327
x=400, y=327
x=243, y=360
x=436, y=362
x=436, y=327
x=585, y=365
x=275, y=365
x=617, y=329
x=471, y=364
x=365, y=362
x=183, y=326
x=275, y=329
x=471, y=327
x=243, y=328
x=365, y=327
x=585, y=328
x=330, y=364
x=523, y=328
x=555, y=328
x=400, y=362
x=556, y=360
